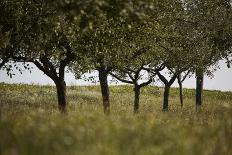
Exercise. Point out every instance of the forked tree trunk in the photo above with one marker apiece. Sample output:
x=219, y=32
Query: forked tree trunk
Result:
x=105, y=91
x=199, y=89
x=166, y=89
x=61, y=94
x=166, y=97
x=136, y=98
x=181, y=93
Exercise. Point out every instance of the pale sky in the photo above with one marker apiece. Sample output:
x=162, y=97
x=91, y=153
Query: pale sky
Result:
x=222, y=79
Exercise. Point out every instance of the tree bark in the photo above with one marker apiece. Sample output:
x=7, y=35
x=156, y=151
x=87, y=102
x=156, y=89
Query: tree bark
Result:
x=166, y=97
x=61, y=94
x=136, y=98
x=166, y=88
x=199, y=89
x=181, y=93
x=46, y=66
x=105, y=90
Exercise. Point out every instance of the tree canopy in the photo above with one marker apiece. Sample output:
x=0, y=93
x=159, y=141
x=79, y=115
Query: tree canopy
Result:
x=119, y=37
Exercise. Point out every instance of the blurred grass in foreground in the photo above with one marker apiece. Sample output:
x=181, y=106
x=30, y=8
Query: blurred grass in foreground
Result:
x=31, y=125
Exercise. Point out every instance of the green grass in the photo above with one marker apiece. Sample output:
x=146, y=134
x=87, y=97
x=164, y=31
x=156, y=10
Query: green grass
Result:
x=31, y=125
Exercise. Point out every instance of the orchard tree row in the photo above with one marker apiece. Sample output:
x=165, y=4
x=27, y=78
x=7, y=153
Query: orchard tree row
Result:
x=121, y=38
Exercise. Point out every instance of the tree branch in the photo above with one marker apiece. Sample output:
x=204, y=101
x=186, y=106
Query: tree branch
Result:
x=40, y=66
x=172, y=79
x=120, y=79
x=185, y=76
x=45, y=70
x=162, y=78
x=146, y=83
x=153, y=70
x=48, y=66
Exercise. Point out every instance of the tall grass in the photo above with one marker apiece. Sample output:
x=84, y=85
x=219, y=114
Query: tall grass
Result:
x=31, y=124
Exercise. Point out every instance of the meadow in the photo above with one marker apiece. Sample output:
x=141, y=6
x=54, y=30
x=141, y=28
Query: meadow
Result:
x=30, y=123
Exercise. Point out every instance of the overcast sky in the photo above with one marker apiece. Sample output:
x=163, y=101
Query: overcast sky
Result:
x=222, y=79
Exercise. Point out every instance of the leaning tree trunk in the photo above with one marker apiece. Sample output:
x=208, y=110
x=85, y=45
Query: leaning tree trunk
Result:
x=136, y=98
x=166, y=97
x=199, y=89
x=61, y=94
x=181, y=93
x=105, y=91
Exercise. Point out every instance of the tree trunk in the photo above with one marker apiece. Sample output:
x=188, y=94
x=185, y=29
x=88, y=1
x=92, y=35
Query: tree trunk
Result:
x=166, y=97
x=61, y=94
x=105, y=90
x=199, y=89
x=136, y=99
x=181, y=93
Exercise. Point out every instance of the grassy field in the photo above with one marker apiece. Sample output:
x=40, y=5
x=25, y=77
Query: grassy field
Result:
x=31, y=125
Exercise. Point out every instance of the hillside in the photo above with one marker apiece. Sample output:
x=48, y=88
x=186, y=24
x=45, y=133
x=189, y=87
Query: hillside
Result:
x=31, y=124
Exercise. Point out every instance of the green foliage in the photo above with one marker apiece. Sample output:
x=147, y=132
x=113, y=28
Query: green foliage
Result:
x=211, y=21
x=30, y=124
x=105, y=32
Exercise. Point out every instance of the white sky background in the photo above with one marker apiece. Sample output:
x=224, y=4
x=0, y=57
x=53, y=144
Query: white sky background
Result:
x=222, y=79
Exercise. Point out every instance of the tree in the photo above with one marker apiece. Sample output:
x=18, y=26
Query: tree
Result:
x=42, y=37
x=52, y=49
x=136, y=52
x=184, y=50
x=104, y=23
x=100, y=45
x=173, y=44
x=135, y=74
x=212, y=23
